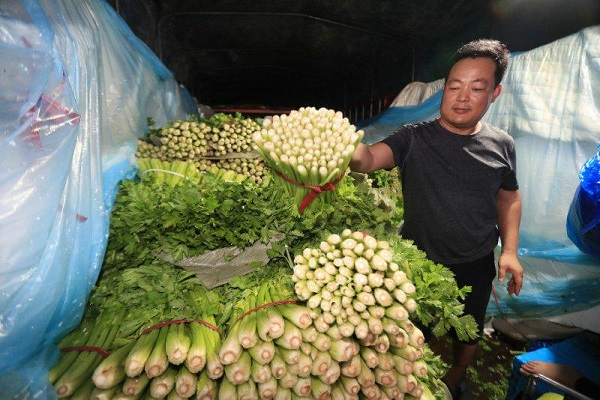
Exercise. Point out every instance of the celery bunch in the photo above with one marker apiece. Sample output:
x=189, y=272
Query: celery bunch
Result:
x=354, y=288
x=222, y=141
x=309, y=146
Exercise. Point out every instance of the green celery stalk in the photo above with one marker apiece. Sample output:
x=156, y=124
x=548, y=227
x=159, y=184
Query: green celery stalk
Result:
x=157, y=361
x=352, y=367
x=103, y=394
x=196, y=356
x=369, y=356
x=304, y=365
x=394, y=392
x=407, y=352
x=86, y=362
x=110, y=371
x=84, y=391
x=386, y=378
x=268, y=389
x=386, y=361
x=260, y=372
x=206, y=388
x=291, y=338
x=283, y=393
x=247, y=390
x=366, y=378
x=342, y=349
x=275, y=319
x=291, y=357
x=185, y=382
x=339, y=392
x=322, y=342
x=302, y=387
x=332, y=374
x=231, y=349
x=83, y=336
x=319, y=389
x=173, y=395
x=120, y=395
x=135, y=386
x=137, y=357
x=296, y=314
x=371, y=392
x=278, y=365
x=177, y=344
x=240, y=371
x=247, y=334
x=213, y=344
x=262, y=321
x=289, y=380
x=263, y=352
x=162, y=385
x=227, y=390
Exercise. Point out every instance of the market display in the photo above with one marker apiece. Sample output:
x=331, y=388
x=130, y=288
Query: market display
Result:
x=333, y=314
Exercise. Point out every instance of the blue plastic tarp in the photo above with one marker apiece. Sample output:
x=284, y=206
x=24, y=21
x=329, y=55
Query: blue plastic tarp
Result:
x=76, y=89
x=550, y=105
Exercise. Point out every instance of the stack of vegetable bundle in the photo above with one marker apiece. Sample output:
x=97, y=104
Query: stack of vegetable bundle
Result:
x=273, y=350
x=171, y=173
x=349, y=361
x=222, y=141
x=355, y=288
x=181, y=357
x=308, y=149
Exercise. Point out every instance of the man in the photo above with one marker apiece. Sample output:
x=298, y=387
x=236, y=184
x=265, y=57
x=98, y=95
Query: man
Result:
x=459, y=186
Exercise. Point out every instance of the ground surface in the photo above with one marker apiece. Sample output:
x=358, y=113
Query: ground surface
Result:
x=488, y=378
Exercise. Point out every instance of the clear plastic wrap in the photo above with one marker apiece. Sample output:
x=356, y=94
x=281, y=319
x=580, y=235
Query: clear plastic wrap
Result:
x=76, y=89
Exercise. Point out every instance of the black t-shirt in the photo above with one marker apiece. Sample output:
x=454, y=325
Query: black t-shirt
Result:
x=450, y=185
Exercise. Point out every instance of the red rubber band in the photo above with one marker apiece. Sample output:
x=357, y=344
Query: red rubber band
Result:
x=274, y=303
x=314, y=190
x=208, y=325
x=105, y=353
x=180, y=321
x=98, y=350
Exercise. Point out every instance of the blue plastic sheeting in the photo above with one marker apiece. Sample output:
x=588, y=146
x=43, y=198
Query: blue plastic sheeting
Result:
x=583, y=219
x=550, y=105
x=76, y=89
x=382, y=125
x=577, y=352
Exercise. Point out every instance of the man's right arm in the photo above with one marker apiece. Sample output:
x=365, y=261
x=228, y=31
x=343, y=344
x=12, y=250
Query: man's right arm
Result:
x=372, y=158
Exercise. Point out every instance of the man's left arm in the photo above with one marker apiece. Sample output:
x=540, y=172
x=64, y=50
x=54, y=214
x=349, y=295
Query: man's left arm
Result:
x=509, y=220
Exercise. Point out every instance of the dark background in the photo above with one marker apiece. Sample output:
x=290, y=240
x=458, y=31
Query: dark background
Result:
x=340, y=54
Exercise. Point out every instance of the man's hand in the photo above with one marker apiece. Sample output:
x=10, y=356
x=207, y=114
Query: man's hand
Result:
x=509, y=263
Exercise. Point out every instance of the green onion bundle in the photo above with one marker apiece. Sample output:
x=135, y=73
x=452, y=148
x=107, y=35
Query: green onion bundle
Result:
x=309, y=147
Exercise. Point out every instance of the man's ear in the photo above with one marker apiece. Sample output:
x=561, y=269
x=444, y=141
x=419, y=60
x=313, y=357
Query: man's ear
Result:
x=497, y=91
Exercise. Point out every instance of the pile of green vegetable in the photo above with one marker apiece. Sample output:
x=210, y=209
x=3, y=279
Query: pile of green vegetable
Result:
x=262, y=335
x=222, y=142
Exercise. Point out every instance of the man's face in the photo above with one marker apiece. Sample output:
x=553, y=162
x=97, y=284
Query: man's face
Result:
x=468, y=93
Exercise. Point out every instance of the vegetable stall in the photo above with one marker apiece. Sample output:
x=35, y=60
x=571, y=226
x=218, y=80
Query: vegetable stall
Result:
x=315, y=294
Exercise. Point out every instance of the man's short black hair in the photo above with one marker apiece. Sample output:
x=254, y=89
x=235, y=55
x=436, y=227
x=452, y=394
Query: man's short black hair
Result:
x=488, y=48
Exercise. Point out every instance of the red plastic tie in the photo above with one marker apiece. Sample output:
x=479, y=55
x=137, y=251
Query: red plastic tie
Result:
x=98, y=350
x=314, y=190
x=273, y=303
x=181, y=321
